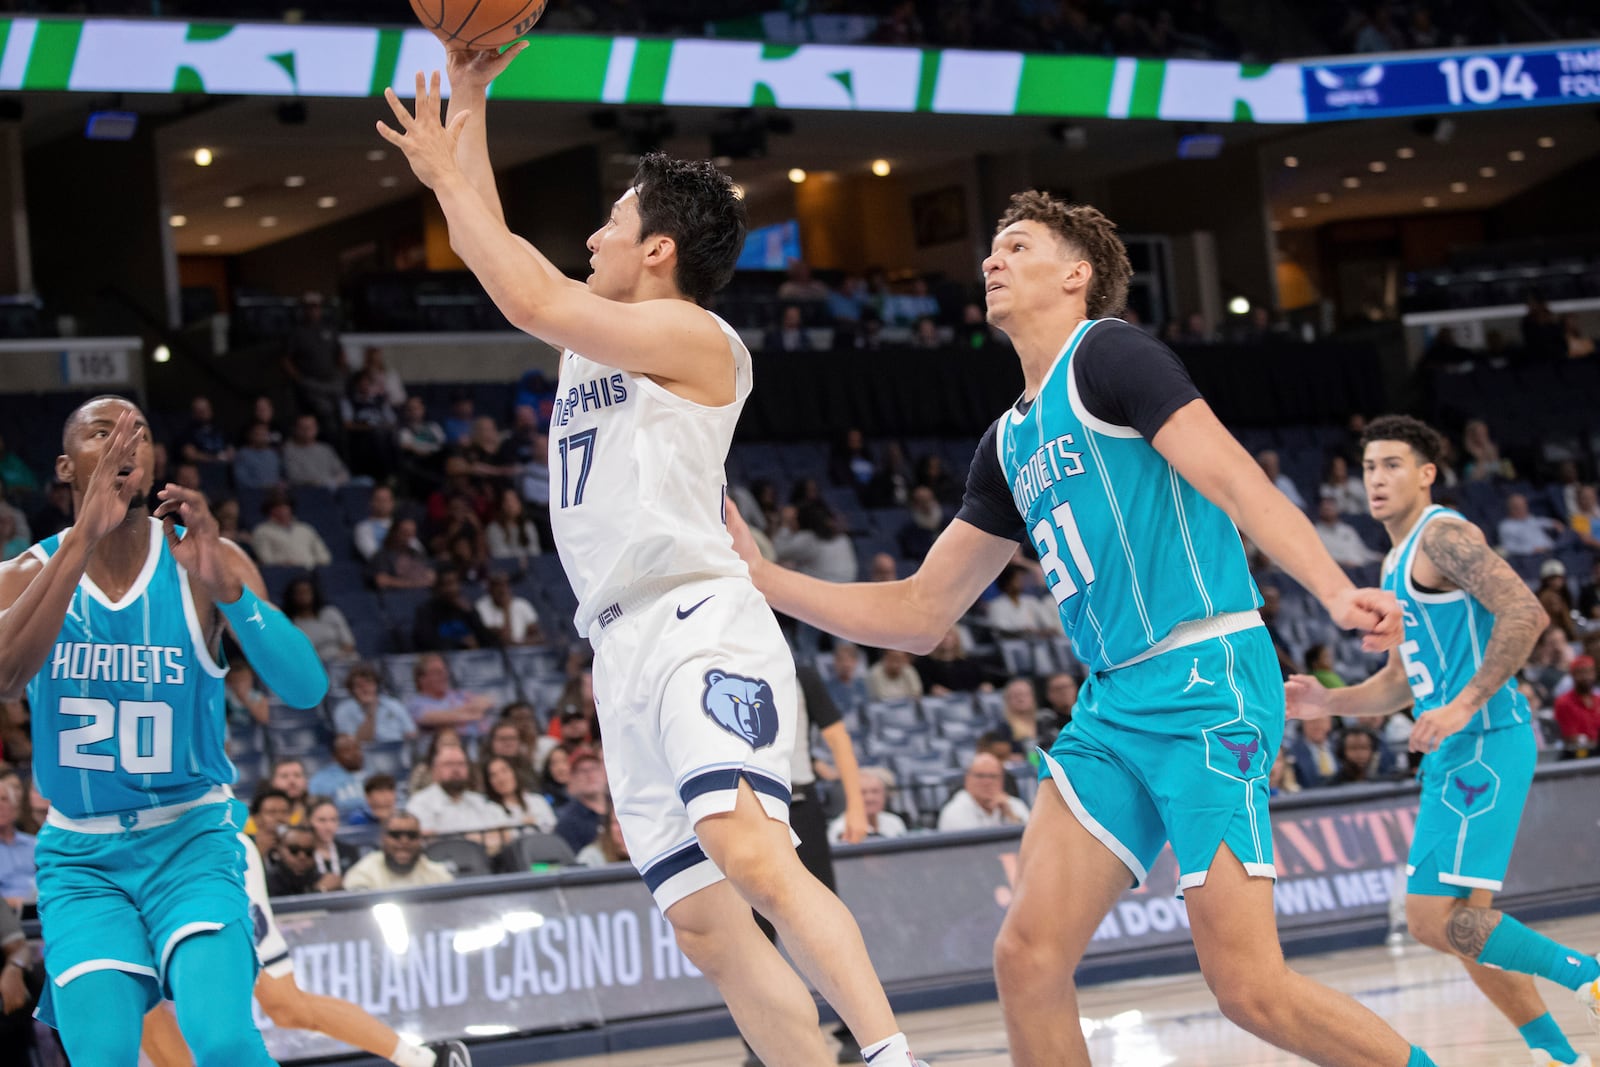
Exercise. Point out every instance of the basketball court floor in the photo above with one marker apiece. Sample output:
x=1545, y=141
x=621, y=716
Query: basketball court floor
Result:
x=1173, y=1020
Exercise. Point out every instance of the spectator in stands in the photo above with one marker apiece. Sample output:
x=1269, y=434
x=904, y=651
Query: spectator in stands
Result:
x=1549, y=662
x=226, y=513
x=948, y=668
x=15, y=474
x=1578, y=709
x=19, y=521
x=1544, y=337
x=465, y=552
x=265, y=412
x=1579, y=344
x=308, y=461
x=314, y=362
x=247, y=704
x=292, y=869
x=1195, y=330
x=925, y=334
x=1393, y=732
x=489, y=454
x=1372, y=29
x=811, y=539
x=368, y=714
x=927, y=521
x=1016, y=614
x=203, y=441
x=519, y=807
x=1271, y=605
x=1585, y=517
x=458, y=482
x=1319, y=664
x=932, y=472
x=1020, y=707
x=269, y=814
x=400, y=863
x=800, y=285
x=458, y=424
x=1360, y=757
x=56, y=513
x=342, y=781
x=1281, y=779
x=1446, y=351
x=852, y=462
x=508, y=741
x=1589, y=594
x=1316, y=760
x=510, y=533
x=534, y=486
x=257, y=464
x=445, y=622
x=1268, y=459
x=450, y=805
x=1340, y=538
x=891, y=485
x=881, y=823
x=187, y=475
x=556, y=776
x=331, y=856
x=792, y=336
x=375, y=363
x=509, y=619
x=883, y=568
x=1343, y=488
x=1523, y=533
x=846, y=683
x=11, y=544
x=370, y=423
x=1484, y=459
x=1060, y=698
x=1556, y=598
x=370, y=532
x=893, y=678
x=17, y=869
x=578, y=820
x=607, y=847
x=436, y=704
x=283, y=540
x=422, y=442
x=401, y=563
x=289, y=777
x=382, y=797
x=982, y=801
x=323, y=623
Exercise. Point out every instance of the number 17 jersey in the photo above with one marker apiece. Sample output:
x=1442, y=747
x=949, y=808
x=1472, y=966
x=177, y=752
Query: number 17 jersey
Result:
x=638, y=485
x=128, y=710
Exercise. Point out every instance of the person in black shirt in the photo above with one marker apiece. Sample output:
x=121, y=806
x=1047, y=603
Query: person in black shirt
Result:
x=948, y=668
x=293, y=866
x=445, y=622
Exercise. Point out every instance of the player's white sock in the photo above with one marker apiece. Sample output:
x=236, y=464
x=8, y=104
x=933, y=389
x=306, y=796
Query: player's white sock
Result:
x=892, y=1051
x=406, y=1054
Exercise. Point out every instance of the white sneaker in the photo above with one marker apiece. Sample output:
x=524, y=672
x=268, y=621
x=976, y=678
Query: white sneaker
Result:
x=451, y=1054
x=1541, y=1058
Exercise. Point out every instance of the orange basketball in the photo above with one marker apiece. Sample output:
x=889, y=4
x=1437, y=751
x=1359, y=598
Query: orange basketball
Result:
x=478, y=23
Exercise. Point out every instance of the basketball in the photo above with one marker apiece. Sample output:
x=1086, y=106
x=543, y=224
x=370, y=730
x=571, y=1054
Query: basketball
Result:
x=478, y=23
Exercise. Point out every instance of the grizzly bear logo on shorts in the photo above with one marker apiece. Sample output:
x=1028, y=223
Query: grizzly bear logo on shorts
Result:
x=742, y=706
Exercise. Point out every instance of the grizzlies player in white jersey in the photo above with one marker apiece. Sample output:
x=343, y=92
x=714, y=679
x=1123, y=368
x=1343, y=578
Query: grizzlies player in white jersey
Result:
x=1129, y=488
x=694, y=683
x=1470, y=624
x=112, y=627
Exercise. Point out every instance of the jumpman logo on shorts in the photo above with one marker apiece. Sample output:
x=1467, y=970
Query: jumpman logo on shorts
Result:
x=1195, y=679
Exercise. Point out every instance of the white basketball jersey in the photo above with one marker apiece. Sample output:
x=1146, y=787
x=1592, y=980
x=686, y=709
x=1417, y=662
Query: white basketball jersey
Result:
x=638, y=484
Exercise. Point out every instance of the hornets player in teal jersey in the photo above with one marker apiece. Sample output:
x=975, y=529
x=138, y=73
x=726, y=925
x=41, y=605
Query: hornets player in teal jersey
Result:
x=1470, y=624
x=1118, y=473
x=112, y=628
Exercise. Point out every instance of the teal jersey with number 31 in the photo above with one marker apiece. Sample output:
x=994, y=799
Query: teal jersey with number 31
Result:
x=128, y=710
x=1129, y=549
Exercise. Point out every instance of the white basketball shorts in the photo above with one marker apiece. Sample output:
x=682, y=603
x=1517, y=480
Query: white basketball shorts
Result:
x=696, y=693
x=271, y=949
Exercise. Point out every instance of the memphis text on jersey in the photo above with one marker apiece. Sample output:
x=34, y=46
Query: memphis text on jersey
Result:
x=590, y=395
x=91, y=661
x=1052, y=463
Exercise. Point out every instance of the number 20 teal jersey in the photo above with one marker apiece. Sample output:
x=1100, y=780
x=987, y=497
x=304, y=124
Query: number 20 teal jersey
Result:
x=1129, y=549
x=128, y=710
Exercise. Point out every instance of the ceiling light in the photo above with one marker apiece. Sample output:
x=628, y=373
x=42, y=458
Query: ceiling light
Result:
x=1405, y=152
x=880, y=167
x=1547, y=142
x=327, y=201
x=797, y=175
x=1324, y=198
x=294, y=181
x=1486, y=172
x=376, y=155
x=388, y=181
x=1239, y=306
x=161, y=354
x=178, y=220
x=1352, y=182
x=1298, y=212
x=269, y=221
x=1291, y=161
x=1458, y=187
x=1430, y=201
x=211, y=239
x=1516, y=155
x=1377, y=166
x=203, y=157
x=233, y=201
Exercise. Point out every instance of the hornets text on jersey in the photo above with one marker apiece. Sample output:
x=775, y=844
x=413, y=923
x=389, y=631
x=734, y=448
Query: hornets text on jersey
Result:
x=638, y=485
x=1129, y=548
x=128, y=710
x=1445, y=636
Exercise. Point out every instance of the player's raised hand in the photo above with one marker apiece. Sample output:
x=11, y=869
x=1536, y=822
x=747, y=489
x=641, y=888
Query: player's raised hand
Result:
x=429, y=145
x=200, y=550
x=116, y=481
x=472, y=69
x=1305, y=697
x=1375, y=612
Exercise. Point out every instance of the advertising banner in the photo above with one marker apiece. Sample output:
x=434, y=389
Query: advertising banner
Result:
x=485, y=961
x=1368, y=87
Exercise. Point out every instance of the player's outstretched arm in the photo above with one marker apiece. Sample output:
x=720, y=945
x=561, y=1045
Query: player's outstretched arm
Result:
x=669, y=340
x=911, y=614
x=470, y=71
x=1201, y=449
x=1385, y=691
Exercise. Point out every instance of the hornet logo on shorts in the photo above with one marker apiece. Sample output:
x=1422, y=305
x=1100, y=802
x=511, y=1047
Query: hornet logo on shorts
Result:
x=742, y=706
x=1471, y=793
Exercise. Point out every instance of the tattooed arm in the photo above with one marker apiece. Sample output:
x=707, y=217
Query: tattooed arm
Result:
x=1458, y=554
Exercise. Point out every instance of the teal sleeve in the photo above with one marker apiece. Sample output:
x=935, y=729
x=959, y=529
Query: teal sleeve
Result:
x=281, y=654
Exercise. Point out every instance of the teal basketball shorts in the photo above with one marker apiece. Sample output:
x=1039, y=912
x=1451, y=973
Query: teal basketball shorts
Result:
x=1474, y=787
x=1177, y=748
